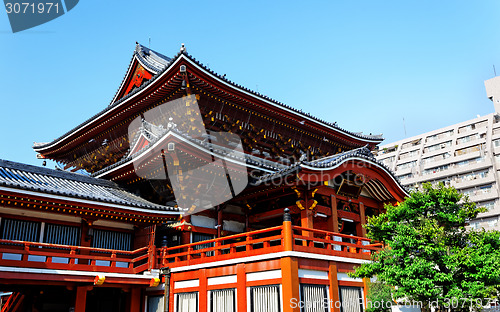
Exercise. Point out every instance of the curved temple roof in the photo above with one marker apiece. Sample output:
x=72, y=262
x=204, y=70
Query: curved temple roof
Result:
x=43, y=180
x=363, y=154
x=158, y=64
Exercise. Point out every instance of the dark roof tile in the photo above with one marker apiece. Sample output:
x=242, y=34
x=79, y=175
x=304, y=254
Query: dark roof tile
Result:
x=59, y=182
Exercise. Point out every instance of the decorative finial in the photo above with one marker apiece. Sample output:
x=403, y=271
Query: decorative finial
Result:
x=170, y=123
x=183, y=48
x=287, y=216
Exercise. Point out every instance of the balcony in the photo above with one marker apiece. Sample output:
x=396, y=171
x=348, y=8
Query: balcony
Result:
x=267, y=241
x=63, y=257
x=284, y=238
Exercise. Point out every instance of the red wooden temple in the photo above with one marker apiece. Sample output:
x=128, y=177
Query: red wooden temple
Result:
x=117, y=239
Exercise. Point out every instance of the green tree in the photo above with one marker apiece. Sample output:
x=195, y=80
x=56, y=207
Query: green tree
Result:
x=378, y=297
x=430, y=256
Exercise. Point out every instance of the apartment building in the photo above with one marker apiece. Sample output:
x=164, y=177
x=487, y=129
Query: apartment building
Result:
x=465, y=156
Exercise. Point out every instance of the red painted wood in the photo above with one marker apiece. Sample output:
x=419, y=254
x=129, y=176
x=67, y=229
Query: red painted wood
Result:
x=81, y=299
x=202, y=296
x=135, y=300
x=241, y=287
x=315, y=281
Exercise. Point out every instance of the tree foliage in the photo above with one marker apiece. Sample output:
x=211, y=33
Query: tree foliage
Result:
x=379, y=297
x=430, y=256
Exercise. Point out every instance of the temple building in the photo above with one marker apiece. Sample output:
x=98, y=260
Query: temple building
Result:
x=191, y=193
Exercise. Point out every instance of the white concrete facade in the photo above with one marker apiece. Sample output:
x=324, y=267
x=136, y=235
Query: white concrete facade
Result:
x=465, y=156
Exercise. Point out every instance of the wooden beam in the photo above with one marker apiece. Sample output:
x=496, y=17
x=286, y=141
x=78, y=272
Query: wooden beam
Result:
x=278, y=212
x=334, y=219
x=219, y=221
x=363, y=219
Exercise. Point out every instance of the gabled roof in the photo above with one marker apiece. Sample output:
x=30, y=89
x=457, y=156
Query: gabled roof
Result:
x=203, y=145
x=362, y=154
x=160, y=64
x=15, y=175
x=153, y=61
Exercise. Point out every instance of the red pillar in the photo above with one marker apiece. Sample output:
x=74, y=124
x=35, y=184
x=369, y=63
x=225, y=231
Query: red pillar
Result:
x=135, y=300
x=333, y=287
x=241, y=287
x=219, y=221
x=334, y=223
x=171, y=293
x=81, y=299
x=186, y=235
x=306, y=221
x=85, y=241
x=203, y=295
x=290, y=282
x=363, y=219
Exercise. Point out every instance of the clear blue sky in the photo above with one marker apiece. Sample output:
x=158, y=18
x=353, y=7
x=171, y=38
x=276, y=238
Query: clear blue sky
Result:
x=364, y=64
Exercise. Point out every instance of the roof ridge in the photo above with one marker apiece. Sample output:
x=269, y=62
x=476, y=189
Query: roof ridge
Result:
x=28, y=177
x=332, y=124
x=193, y=59
x=58, y=173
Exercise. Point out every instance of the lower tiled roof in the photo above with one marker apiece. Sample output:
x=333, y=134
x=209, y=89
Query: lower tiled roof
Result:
x=27, y=177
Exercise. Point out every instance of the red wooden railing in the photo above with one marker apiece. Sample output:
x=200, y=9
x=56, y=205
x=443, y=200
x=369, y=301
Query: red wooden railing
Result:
x=229, y=247
x=275, y=239
x=51, y=256
x=266, y=241
x=329, y=243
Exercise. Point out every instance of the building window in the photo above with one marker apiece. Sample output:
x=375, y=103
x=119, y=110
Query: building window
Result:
x=489, y=205
x=155, y=304
x=405, y=176
x=388, y=161
x=223, y=300
x=436, y=147
x=411, y=144
x=446, y=182
x=314, y=298
x=468, y=138
x=391, y=149
x=200, y=237
x=466, y=128
x=62, y=235
x=493, y=223
x=410, y=164
x=435, y=170
x=478, y=191
x=470, y=162
x=21, y=230
x=351, y=299
x=474, y=225
x=468, y=150
x=112, y=240
x=472, y=176
x=265, y=299
x=187, y=302
x=436, y=158
x=439, y=136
